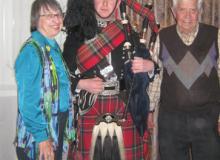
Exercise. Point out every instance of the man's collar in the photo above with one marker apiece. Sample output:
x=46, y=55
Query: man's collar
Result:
x=188, y=38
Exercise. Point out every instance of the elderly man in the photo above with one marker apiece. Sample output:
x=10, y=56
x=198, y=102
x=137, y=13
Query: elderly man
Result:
x=187, y=89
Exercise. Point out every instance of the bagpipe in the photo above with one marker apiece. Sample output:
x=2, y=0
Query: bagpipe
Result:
x=138, y=99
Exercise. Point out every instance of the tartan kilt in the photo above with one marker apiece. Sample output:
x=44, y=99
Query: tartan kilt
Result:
x=133, y=143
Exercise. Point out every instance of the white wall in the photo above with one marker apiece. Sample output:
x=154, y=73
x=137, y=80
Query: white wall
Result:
x=14, y=30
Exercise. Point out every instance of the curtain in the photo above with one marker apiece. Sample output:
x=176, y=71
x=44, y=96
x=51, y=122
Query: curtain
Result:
x=162, y=8
x=210, y=15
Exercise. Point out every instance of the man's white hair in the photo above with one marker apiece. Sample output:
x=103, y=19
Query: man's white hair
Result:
x=199, y=4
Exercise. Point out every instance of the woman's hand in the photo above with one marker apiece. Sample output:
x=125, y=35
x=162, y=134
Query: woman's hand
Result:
x=92, y=85
x=141, y=65
x=46, y=150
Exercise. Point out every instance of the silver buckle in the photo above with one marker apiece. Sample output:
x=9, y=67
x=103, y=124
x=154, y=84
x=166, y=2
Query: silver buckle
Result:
x=108, y=118
x=110, y=84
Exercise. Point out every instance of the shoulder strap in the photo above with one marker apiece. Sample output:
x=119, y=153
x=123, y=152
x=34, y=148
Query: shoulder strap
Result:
x=38, y=48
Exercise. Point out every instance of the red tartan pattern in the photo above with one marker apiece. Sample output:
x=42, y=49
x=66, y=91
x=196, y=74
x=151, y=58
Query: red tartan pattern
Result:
x=133, y=143
x=143, y=11
x=93, y=52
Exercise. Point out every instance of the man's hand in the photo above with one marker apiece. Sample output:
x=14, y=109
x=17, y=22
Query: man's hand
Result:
x=141, y=65
x=92, y=85
x=46, y=150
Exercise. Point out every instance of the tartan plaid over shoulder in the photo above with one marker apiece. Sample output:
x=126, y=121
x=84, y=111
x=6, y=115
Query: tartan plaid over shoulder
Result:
x=94, y=51
x=144, y=12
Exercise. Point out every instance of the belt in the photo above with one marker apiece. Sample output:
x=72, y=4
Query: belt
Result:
x=111, y=88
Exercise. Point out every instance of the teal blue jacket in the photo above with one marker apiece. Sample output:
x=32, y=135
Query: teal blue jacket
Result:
x=28, y=72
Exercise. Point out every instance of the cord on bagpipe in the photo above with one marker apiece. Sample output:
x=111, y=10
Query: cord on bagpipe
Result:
x=136, y=84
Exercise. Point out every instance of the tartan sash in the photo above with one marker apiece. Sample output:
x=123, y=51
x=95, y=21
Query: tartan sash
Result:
x=93, y=52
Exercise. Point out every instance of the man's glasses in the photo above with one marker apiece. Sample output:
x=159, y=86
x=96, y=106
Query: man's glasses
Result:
x=52, y=16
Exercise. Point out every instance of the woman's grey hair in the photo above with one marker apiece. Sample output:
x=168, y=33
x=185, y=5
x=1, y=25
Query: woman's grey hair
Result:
x=199, y=4
x=36, y=7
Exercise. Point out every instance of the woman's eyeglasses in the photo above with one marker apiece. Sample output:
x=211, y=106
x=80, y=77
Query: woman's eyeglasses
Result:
x=52, y=16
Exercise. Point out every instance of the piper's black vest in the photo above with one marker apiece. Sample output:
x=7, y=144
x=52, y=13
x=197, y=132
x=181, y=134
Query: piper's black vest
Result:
x=190, y=78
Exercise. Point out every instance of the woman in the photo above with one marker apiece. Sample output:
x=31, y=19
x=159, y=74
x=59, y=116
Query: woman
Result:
x=44, y=122
x=102, y=133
